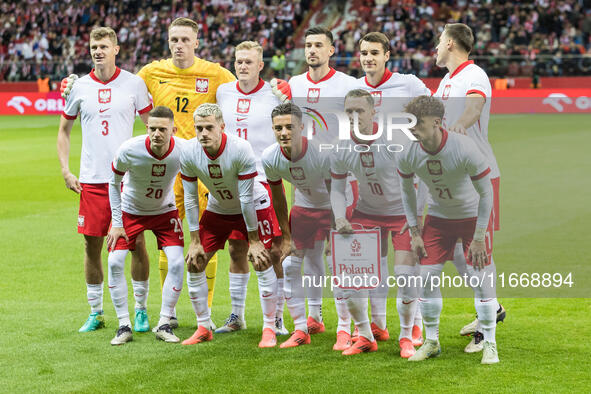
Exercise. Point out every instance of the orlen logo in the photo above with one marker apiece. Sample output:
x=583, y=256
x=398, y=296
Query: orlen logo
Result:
x=559, y=101
x=41, y=105
x=18, y=103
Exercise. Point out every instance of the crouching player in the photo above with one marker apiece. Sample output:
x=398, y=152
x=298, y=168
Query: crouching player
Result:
x=146, y=203
x=308, y=170
x=226, y=165
x=460, y=204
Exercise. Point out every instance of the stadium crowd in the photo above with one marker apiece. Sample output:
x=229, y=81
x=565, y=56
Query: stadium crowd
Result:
x=39, y=37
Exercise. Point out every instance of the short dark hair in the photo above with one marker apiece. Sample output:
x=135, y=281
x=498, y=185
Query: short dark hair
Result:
x=287, y=109
x=361, y=93
x=461, y=34
x=423, y=106
x=377, y=37
x=320, y=30
x=161, y=112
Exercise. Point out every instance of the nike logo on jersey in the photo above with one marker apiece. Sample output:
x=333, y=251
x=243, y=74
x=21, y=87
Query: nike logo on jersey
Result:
x=435, y=180
x=406, y=303
x=175, y=289
x=161, y=82
x=218, y=183
x=103, y=110
x=368, y=174
x=266, y=241
x=240, y=119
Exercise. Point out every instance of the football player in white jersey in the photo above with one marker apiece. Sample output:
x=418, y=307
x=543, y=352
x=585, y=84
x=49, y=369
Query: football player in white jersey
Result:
x=466, y=94
x=300, y=162
x=107, y=100
x=318, y=92
x=391, y=91
x=372, y=162
x=146, y=203
x=460, y=205
x=246, y=105
x=227, y=167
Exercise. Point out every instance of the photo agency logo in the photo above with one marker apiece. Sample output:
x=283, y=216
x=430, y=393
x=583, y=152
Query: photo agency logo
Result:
x=332, y=127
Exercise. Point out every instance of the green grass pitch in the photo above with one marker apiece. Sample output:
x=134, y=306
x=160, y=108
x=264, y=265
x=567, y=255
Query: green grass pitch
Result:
x=544, y=344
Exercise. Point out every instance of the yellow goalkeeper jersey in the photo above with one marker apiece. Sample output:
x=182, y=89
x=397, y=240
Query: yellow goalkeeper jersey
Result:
x=183, y=90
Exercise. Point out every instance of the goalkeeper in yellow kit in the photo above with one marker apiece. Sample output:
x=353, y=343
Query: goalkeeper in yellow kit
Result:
x=182, y=83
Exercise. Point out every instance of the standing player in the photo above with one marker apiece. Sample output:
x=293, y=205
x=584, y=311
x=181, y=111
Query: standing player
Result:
x=380, y=205
x=318, y=92
x=246, y=105
x=466, y=94
x=226, y=165
x=107, y=100
x=182, y=83
x=452, y=167
x=300, y=162
x=146, y=203
x=391, y=91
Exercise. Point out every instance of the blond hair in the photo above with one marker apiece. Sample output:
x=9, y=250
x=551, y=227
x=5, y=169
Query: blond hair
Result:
x=247, y=45
x=207, y=109
x=98, y=33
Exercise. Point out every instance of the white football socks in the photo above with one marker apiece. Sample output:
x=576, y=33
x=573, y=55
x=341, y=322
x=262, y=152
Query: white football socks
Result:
x=268, y=294
x=418, y=321
x=238, y=289
x=197, y=286
x=140, y=293
x=173, y=284
x=118, y=285
x=280, y=299
x=314, y=268
x=430, y=300
x=357, y=304
x=485, y=300
x=94, y=294
x=378, y=297
x=340, y=302
x=406, y=299
x=294, y=292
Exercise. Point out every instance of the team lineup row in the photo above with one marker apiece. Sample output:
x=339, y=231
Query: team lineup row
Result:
x=246, y=203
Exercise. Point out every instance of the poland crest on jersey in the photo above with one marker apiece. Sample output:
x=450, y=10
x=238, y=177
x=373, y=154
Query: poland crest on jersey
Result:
x=104, y=96
x=243, y=106
x=297, y=173
x=377, y=97
x=201, y=85
x=215, y=171
x=367, y=159
x=434, y=167
x=158, y=169
x=313, y=95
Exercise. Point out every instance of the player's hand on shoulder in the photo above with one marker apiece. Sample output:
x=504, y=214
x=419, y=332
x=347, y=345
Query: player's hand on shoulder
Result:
x=477, y=254
x=457, y=128
x=259, y=256
x=195, y=257
x=72, y=183
x=343, y=226
x=281, y=89
x=114, y=234
x=67, y=84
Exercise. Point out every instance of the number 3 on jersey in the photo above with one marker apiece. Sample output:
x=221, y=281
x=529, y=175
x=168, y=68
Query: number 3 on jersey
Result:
x=105, y=130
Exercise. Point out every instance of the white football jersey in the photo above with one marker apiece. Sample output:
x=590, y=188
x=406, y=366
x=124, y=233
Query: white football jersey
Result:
x=308, y=173
x=395, y=90
x=107, y=113
x=234, y=161
x=319, y=100
x=148, y=188
x=468, y=78
x=448, y=173
x=374, y=166
x=248, y=116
